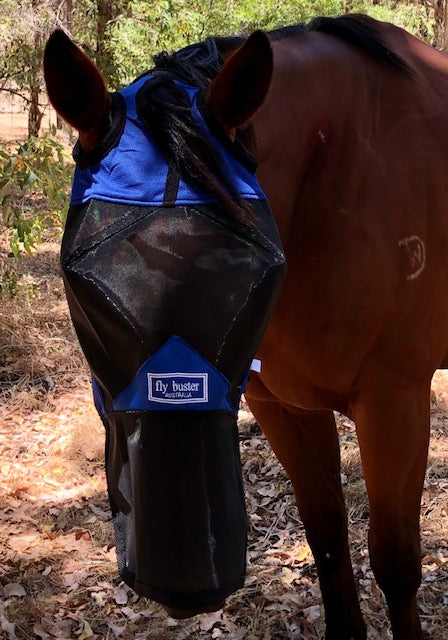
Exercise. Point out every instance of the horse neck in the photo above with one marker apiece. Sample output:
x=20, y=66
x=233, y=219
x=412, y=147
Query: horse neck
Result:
x=311, y=101
x=321, y=113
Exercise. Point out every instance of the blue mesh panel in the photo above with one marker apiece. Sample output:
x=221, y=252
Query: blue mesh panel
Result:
x=135, y=172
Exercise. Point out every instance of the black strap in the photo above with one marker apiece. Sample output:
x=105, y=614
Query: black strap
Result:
x=172, y=186
x=112, y=129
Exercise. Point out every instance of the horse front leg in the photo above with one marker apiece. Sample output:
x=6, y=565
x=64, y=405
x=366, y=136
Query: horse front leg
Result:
x=306, y=444
x=392, y=422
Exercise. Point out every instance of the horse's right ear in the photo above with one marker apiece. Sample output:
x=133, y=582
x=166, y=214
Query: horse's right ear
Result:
x=75, y=86
x=241, y=85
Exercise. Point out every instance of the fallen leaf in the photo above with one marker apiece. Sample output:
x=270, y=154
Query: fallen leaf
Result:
x=267, y=491
x=99, y=597
x=89, y=452
x=171, y=622
x=292, y=598
x=110, y=554
x=23, y=542
x=118, y=631
x=8, y=626
x=14, y=589
x=209, y=620
x=86, y=631
x=120, y=595
x=312, y=613
x=102, y=515
x=131, y=614
x=40, y=632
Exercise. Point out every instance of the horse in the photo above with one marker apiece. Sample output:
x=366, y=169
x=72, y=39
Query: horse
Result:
x=346, y=118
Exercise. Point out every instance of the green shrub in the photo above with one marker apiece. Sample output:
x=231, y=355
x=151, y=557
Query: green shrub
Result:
x=34, y=186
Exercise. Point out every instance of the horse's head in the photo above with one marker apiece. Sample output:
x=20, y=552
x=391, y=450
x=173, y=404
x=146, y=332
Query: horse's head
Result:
x=171, y=263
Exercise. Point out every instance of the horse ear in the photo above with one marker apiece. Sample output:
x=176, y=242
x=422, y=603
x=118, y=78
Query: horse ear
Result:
x=74, y=84
x=241, y=86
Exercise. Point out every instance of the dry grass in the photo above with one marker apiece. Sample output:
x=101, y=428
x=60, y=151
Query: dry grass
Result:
x=58, y=577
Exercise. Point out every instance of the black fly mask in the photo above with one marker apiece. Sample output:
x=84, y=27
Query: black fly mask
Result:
x=170, y=296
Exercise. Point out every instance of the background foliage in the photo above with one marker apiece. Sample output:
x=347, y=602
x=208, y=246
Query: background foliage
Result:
x=122, y=36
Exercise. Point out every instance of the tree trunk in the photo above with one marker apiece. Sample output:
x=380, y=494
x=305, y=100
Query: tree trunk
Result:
x=445, y=26
x=34, y=113
x=67, y=20
x=437, y=10
x=107, y=10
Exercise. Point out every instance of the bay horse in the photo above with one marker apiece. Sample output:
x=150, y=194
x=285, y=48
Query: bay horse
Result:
x=347, y=118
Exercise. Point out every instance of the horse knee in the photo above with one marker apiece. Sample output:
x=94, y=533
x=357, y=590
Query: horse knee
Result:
x=328, y=538
x=395, y=559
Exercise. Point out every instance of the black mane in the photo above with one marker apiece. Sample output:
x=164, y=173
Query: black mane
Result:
x=195, y=65
x=361, y=31
x=166, y=111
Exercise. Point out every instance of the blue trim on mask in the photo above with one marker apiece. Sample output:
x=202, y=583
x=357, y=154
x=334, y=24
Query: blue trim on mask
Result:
x=134, y=172
x=175, y=378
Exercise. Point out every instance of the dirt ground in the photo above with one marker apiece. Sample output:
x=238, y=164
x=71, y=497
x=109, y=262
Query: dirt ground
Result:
x=58, y=577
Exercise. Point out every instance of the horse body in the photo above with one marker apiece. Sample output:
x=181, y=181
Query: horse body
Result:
x=354, y=164
x=353, y=171
x=351, y=143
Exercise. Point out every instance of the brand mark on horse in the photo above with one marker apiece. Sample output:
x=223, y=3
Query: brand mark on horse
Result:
x=415, y=251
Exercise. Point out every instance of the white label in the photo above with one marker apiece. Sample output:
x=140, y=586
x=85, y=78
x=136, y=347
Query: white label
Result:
x=178, y=388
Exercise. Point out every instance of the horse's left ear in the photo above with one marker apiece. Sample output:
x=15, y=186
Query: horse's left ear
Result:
x=241, y=86
x=75, y=87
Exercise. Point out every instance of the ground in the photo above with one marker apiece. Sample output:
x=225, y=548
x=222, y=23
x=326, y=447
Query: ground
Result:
x=58, y=577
